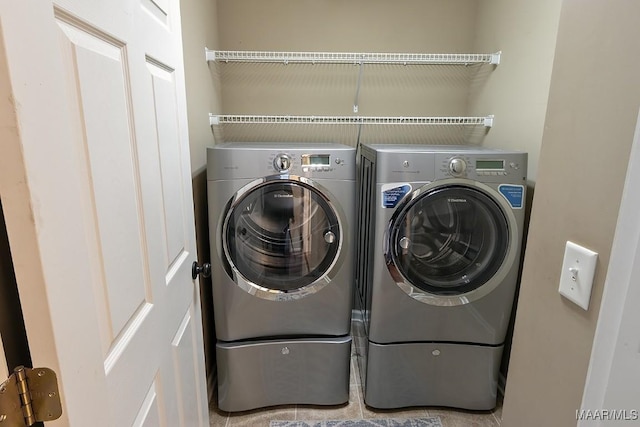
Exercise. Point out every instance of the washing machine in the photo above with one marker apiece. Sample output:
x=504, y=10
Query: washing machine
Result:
x=281, y=225
x=439, y=240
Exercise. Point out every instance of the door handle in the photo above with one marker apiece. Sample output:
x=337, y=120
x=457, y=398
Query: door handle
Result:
x=196, y=269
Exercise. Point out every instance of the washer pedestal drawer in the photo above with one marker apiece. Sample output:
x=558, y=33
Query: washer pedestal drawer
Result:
x=254, y=374
x=432, y=374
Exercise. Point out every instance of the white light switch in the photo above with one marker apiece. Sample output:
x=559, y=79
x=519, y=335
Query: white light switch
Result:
x=578, y=269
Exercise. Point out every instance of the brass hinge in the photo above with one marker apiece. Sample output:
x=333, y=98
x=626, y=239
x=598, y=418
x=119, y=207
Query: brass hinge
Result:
x=28, y=396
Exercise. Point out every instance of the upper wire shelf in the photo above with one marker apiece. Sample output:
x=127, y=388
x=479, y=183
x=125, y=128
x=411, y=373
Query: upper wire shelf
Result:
x=218, y=119
x=353, y=58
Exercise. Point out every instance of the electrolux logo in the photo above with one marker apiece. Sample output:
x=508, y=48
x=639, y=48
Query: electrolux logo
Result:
x=283, y=196
x=457, y=200
x=607, y=415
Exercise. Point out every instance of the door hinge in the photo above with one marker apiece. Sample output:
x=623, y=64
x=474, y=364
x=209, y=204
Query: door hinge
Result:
x=29, y=395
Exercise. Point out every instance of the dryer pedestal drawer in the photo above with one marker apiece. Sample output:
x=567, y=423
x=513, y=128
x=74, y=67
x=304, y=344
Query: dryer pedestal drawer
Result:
x=432, y=374
x=277, y=372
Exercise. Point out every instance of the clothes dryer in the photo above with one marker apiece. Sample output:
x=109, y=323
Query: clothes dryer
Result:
x=281, y=225
x=437, y=271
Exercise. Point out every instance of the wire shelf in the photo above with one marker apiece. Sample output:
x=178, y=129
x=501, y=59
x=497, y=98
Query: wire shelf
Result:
x=216, y=119
x=353, y=58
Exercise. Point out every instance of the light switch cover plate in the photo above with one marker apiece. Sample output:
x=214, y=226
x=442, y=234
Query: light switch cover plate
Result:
x=578, y=269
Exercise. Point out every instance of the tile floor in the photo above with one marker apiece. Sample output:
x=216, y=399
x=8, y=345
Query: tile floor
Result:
x=355, y=409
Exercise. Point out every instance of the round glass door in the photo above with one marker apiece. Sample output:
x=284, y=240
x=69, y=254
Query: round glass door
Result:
x=449, y=240
x=282, y=235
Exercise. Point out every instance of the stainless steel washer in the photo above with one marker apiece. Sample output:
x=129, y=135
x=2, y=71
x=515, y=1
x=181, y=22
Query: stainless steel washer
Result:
x=440, y=231
x=281, y=224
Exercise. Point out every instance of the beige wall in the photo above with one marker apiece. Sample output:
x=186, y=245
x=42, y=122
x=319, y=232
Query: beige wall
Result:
x=517, y=90
x=347, y=26
x=199, y=30
x=422, y=26
x=593, y=106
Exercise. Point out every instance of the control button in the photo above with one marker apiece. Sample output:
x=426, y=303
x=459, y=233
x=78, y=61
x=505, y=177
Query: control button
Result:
x=282, y=162
x=405, y=164
x=305, y=169
x=326, y=168
x=514, y=165
x=339, y=160
x=457, y=167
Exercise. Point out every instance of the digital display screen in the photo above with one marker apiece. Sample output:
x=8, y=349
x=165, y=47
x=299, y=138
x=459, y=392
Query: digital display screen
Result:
x=489, y=164
x=315, y=160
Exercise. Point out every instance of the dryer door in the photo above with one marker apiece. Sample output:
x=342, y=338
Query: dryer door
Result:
x=450, y=244
x=282, y=237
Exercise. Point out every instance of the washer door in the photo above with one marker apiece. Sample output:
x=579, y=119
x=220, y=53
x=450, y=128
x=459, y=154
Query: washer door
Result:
x=450, y=244
x=282, y=237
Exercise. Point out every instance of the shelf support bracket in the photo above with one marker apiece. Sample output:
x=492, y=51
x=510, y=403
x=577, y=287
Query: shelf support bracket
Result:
x=356, y=100
x=495, y=58
x=488, y=121
x=209, y=55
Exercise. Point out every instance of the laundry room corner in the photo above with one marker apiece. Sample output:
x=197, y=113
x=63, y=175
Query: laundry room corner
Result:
x=200, y=32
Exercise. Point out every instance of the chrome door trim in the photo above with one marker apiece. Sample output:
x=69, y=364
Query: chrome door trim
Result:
x=273, y=294
x=484, y=289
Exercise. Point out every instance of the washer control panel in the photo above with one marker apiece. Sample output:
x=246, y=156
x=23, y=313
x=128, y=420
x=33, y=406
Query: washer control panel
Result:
x=282, y=162
x=246, y=160
x=475, y=166
x=305, y=163
x=457, y=166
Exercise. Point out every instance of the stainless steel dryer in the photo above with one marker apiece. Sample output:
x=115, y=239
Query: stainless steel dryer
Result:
x=440, y=231
x=280, y=218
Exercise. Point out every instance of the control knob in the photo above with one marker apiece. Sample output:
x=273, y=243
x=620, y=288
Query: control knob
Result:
x=282, y=162
x=457, y=167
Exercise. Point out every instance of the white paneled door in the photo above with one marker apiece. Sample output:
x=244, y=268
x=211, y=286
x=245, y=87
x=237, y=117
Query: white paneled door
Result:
x=96, y=186
x=613, y=379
